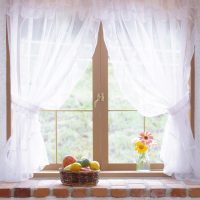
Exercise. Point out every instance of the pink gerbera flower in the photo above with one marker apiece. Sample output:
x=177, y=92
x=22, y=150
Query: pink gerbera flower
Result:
x=146, y=137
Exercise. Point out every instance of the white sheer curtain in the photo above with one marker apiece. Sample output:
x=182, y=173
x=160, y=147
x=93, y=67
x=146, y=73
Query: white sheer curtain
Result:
x=51, y=43
x=150, y=44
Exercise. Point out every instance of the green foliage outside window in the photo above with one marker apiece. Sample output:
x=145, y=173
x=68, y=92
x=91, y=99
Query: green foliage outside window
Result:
x=74, y=129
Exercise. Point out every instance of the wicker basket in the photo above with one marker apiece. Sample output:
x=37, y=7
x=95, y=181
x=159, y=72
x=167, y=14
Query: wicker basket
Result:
x=70, y=178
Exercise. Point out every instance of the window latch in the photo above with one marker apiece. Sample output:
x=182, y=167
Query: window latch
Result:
x=100, y=97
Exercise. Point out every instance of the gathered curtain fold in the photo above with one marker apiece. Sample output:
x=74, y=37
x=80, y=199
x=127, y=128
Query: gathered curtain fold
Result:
x=50, y=48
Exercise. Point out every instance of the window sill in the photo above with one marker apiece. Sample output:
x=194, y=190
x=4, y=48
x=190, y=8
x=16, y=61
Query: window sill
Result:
x=106, y=188
x=104, y=174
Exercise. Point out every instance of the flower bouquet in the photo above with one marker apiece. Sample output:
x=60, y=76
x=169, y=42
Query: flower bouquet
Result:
x=142, y=146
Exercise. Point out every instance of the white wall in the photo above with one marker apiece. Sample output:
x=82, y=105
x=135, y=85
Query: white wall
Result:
x=2, y=73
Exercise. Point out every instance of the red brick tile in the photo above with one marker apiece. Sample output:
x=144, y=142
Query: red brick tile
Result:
x=177, y=190
x=79, y=192
x=41, y=192
x=5, y=192
x=99, y=191
x=194, y=191
x=119, y=191
x=60, y=192
x=137, y=190
x=22, y=192
x=157, y=191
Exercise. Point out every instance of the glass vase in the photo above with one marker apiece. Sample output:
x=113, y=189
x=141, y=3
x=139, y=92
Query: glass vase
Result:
x=142, y=162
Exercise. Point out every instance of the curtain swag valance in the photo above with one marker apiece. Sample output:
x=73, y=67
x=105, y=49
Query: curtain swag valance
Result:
x=103, y=9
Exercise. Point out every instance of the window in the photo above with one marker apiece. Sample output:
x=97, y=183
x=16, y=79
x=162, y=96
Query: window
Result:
x=97, y=122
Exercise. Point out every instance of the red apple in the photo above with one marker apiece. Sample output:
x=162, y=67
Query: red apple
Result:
x=68, y=160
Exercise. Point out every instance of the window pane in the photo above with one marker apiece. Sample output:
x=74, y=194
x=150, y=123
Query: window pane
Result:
x=156, y=126
x=81, y=96
x=75, y=134
x=47, y=121
x=116, y=98
x=123, y=128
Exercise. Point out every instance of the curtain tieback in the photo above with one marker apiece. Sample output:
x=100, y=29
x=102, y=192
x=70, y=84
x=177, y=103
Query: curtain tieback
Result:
x=179, y=105
x=21, y=105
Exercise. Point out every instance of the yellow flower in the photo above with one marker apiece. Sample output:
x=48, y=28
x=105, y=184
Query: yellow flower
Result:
x=140, y=147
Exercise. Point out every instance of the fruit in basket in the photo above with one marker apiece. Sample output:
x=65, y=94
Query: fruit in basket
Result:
x=85, y=169
x=67, y=168
x=85, y=162
x=68, y=160
x=94, y=165
x=84, y=165
x=79, y=161
x=75, y=167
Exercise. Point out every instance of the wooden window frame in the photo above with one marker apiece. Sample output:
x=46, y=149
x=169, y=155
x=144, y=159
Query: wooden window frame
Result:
x=100, y=132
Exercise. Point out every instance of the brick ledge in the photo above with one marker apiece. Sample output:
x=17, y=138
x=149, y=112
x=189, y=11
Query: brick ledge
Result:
x=129, y=187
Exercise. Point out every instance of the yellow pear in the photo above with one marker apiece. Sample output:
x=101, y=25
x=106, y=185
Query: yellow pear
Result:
x=75, y=167
x=94, y=165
